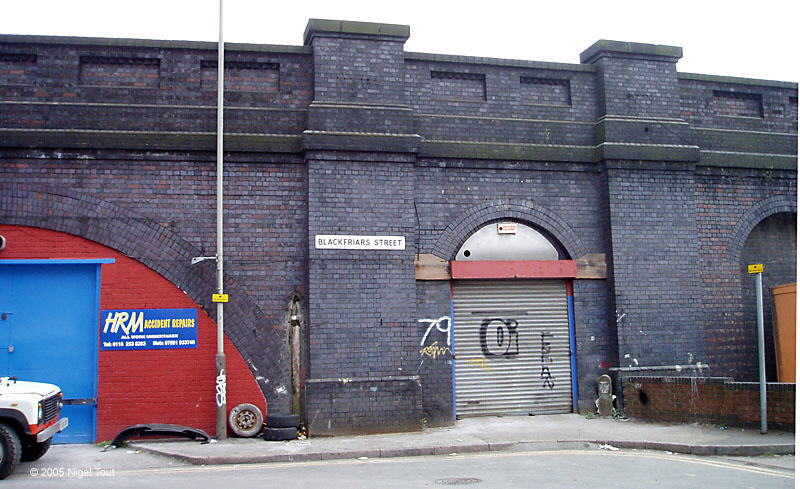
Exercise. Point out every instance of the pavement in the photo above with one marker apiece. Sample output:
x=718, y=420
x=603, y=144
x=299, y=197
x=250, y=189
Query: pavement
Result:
x=487, y=434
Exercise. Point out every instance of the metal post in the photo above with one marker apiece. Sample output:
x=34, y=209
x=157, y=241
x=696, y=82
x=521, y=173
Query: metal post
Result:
x=221, y=378
x=573, y=348
x=762, y=375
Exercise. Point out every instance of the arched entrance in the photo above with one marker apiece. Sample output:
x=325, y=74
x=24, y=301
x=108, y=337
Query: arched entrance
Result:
x=512, y=320
x=773, y=243
x=53, y=333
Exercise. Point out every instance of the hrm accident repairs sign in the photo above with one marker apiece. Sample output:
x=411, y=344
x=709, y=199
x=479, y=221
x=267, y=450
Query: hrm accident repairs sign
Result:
x=148, y=329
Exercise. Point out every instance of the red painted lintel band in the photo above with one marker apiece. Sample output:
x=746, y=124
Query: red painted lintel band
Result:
x=514, y=269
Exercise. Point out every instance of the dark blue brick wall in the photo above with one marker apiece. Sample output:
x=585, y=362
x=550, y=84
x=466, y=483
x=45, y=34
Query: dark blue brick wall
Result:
x=642, y=88
x=362, y=303
x=435, y=353
x=651, y=221
x=358, y=70
x=446, y=193
x=595, y=341
x=363, y=405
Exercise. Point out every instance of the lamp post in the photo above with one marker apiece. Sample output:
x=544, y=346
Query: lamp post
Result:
x=221, y=378
x=756, y=270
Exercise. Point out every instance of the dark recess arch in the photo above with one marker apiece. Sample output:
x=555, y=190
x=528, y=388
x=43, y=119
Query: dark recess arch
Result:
x=751, y=218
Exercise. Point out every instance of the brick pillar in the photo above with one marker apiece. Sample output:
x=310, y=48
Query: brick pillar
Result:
x=649, y=159
x=360, y=153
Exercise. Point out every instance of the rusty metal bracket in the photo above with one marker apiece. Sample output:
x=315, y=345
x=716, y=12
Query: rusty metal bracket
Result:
x=80, y=402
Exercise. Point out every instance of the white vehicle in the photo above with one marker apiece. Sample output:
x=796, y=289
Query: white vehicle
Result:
x=29, y=417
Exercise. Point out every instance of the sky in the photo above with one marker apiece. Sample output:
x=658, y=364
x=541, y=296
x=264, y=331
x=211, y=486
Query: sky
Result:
x=734, y=38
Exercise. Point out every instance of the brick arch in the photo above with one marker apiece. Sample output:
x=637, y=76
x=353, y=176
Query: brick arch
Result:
x=750, y=219
x=164, y=252
x=153, y=385
x=471, y=220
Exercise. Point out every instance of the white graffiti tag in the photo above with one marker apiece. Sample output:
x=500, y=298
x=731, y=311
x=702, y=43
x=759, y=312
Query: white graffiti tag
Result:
x=222, y=388
x=442, y=325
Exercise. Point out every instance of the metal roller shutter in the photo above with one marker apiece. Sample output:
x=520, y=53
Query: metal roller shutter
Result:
x=511, y=340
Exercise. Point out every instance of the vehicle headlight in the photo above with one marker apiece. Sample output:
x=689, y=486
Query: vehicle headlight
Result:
x=41, y=412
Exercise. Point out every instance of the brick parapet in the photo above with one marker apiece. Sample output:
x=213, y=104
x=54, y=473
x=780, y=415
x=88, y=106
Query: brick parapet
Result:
x=708, y=400
x=268, y=87
x=45, y=93
x=777, y=102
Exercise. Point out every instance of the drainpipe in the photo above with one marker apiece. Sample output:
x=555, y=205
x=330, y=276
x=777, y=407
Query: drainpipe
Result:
x=294, y=322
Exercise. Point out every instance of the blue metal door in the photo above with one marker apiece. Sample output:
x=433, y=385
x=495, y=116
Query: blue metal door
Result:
x=49, y=333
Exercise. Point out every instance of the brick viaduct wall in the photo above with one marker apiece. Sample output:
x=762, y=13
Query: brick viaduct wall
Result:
x=665, y=173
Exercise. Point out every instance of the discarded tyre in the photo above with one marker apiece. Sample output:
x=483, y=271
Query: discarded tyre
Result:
x=246, y=420
x=283, y=421
x=280, y=434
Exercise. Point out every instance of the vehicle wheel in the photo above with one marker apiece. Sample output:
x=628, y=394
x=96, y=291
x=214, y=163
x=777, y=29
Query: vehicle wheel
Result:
x=246, y=420
x=283, y=421
x=35, y=450
x=10, y=450
x=280, y=434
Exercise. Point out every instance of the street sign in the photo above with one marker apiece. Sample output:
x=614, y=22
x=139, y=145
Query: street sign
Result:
x=756, y=268
x=219, y=297
x=348, y=242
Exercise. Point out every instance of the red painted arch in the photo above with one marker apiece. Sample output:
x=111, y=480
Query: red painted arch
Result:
x=144, y=386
